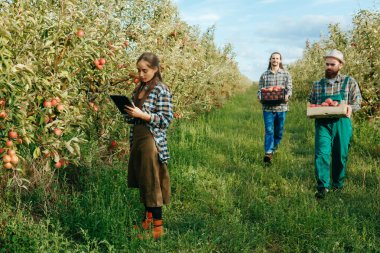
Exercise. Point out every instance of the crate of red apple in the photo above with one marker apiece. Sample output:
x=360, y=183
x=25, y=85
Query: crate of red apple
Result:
x=327, y=109
x=272, y=95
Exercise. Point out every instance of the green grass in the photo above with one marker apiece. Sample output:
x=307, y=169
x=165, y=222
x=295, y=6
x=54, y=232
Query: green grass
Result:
x=224, y=199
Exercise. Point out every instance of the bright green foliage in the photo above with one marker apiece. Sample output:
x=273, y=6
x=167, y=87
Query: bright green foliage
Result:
x=49, y=51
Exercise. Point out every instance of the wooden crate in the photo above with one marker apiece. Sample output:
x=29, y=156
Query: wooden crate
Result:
x=327, y=111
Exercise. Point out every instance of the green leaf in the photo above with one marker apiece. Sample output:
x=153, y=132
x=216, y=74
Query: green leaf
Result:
x=69, y=148
x=76, y=148
x=36, y=152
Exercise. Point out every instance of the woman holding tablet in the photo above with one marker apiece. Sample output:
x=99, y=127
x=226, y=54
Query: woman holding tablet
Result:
x=147, y=168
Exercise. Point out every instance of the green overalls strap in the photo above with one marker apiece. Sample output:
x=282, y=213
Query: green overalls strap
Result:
x=339, y=97
x=332, y=137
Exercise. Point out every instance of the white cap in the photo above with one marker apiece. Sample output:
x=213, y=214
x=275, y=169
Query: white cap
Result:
x=335, y=54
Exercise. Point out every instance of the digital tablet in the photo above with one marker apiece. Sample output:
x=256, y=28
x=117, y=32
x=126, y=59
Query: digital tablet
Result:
x=121, y=101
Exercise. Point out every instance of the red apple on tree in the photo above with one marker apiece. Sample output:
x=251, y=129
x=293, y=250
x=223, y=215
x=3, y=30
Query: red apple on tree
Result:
x=113, y=143
x=47, y=104
x=102, y=61
x=9, y=143
x=57, y=131
x=3, y=114
x=7, y=158
x=12, y=134
x=60, y=108
x=8, y=165
x=80, y=33
x=11, y=152
x=58, y=165
x=14, y=159
x=64, y=162
x=54, y=102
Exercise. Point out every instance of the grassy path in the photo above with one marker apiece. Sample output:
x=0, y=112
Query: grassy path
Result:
x=224, y=199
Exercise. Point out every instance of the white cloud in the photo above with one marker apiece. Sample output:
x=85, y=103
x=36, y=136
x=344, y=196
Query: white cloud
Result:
x=257, y=28
x=268, y=1
x=306, y=27
x=326, y=2
x=206, y=18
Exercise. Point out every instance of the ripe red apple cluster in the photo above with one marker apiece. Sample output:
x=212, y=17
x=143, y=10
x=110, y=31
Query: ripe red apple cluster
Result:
x=99, y=63
x=272, y=93
x=10, y=159
x=327, y=102
x=3, y=114
x=54, y=102
x=272, y=88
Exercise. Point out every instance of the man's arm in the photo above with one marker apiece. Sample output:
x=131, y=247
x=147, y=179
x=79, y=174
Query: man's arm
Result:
x=354, y=95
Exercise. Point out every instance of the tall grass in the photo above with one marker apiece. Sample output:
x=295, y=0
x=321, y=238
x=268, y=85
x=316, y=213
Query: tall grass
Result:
x=224, y=198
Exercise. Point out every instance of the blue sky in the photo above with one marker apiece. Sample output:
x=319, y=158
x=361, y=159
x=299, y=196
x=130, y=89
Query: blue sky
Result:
x=256, y=28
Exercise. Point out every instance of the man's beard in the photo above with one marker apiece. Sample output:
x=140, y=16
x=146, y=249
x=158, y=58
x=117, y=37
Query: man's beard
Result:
x=330, y=74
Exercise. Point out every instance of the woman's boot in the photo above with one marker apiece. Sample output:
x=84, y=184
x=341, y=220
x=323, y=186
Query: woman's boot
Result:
x=158, y=229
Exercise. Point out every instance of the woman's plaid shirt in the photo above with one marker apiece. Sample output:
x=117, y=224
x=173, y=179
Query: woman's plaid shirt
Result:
x=269, y=79
x=159, y=105
x=352, y=94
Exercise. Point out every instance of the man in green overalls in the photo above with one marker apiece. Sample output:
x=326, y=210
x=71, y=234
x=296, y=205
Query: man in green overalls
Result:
x=333, y=135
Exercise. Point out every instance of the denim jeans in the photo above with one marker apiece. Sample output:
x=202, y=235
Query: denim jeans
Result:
x=274, y=125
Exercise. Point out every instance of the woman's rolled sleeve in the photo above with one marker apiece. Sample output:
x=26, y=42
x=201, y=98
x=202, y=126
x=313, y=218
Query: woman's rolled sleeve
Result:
x=163, y=114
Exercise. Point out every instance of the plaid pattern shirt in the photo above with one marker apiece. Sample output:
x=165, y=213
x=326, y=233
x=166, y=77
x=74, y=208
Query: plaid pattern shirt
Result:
x=159, y=105
x=269, y=79
x=352, y=94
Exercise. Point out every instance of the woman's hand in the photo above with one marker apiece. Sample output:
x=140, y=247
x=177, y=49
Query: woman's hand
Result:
x=136, y=112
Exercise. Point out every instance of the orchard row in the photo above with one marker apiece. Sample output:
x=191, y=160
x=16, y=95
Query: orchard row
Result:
x=61, y=59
